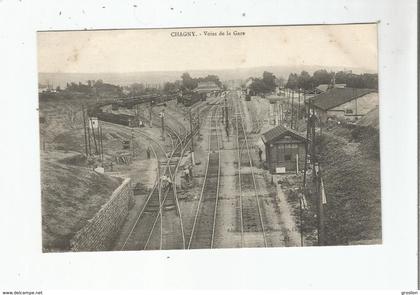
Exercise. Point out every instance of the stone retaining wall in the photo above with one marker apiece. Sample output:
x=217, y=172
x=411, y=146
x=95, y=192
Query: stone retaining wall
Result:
x=100, y=231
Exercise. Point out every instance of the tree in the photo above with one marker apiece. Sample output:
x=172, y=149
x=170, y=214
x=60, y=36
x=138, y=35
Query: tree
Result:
x=170, y=87
x=269, y=81
x=292, y=82
x=258, y=86
x=211, y=78
x=305, y=80
x=281, y=81
x=188, y=82
x=322, y=77
x=136, y=88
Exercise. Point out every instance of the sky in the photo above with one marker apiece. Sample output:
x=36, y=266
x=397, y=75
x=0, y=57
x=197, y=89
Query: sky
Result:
x=122, y=51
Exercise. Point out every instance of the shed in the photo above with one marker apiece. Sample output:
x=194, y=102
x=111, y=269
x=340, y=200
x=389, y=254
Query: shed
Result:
x=284, y=150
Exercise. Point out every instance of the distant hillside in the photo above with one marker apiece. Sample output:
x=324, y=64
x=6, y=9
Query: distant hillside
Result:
x=159, y=77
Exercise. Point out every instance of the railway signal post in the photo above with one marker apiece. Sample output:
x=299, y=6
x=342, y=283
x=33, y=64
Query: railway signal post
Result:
x=162, y=117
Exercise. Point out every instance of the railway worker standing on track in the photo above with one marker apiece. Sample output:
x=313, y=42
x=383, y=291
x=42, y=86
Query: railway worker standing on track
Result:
x=166, y=181
x=190, y=171
x=187, y=174
x=148, y=153
x=260, y=153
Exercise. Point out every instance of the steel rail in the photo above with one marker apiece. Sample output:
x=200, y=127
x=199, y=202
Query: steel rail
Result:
x=145, y=203
x=199, y=206
x=252, y=172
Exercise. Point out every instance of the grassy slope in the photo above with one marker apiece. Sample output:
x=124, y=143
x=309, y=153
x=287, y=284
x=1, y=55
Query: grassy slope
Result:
x=352, y=184
x=71, y=195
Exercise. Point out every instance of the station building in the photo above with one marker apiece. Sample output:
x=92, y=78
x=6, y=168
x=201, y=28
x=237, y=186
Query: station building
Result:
x=344, y=103
x=284, y=150
x=206, y=87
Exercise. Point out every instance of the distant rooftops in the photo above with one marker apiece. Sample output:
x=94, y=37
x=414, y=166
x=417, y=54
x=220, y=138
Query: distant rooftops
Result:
x=206, y=86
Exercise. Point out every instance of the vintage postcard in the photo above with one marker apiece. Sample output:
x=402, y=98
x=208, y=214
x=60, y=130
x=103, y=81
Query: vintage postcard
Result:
x=218, y=137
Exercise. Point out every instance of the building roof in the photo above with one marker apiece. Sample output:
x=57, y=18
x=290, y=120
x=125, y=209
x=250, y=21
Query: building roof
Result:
x=338, y=96
x=206, y=86
x=280, y=131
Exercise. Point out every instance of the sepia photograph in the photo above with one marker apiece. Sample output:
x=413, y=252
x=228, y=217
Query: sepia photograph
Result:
x=209, y=137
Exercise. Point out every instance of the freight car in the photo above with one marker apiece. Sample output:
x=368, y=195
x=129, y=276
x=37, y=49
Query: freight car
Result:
x=121, y=119
x=129, y=103
x=191, y=98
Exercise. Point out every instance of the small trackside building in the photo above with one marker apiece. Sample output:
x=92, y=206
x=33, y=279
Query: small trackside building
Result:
x=344, y=103
x=284, y=150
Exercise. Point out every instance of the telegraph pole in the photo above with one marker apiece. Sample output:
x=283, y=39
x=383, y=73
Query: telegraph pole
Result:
x=94, y=137
x=192, y=137
x=138, y=114
x=198, y=119
x=162, y=117
x=132, y=141
x=298, y=110
x=301, y=218
x=321, y=223
x=89, y=146
x=150, y=114
x=226, y=114
x=291, y=120
x=308, y=127
x=84, y=130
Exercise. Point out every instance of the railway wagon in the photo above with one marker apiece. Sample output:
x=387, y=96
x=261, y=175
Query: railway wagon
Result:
x=121, y=119
x=191, y=98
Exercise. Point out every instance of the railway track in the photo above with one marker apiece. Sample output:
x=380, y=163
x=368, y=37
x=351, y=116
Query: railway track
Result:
x=147, y=231
x=250, y=215
x=159, y=224
x=202, y=234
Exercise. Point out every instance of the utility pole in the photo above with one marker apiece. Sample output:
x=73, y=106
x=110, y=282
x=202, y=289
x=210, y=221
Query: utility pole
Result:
x=102, y=148
x=321, y=223
x=89, y=146
x=138, y=114
x=84, y=130
x=298, y=110
x=94, y=137
x=150, y=113
x=162, y=117
x=291, y=120
x=308, y=127
x=316, y=172
x=132, y=141
x=226, y=114
x=192, y=137
x=282, y=113
x=301, y=218
x=198, y=119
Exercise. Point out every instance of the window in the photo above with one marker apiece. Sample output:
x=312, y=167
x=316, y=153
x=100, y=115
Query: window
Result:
x=287, y=157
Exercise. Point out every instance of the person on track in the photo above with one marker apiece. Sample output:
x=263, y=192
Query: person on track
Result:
x=260, y=154
x=187, y=174
x=148, y=153
x=166, y=182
